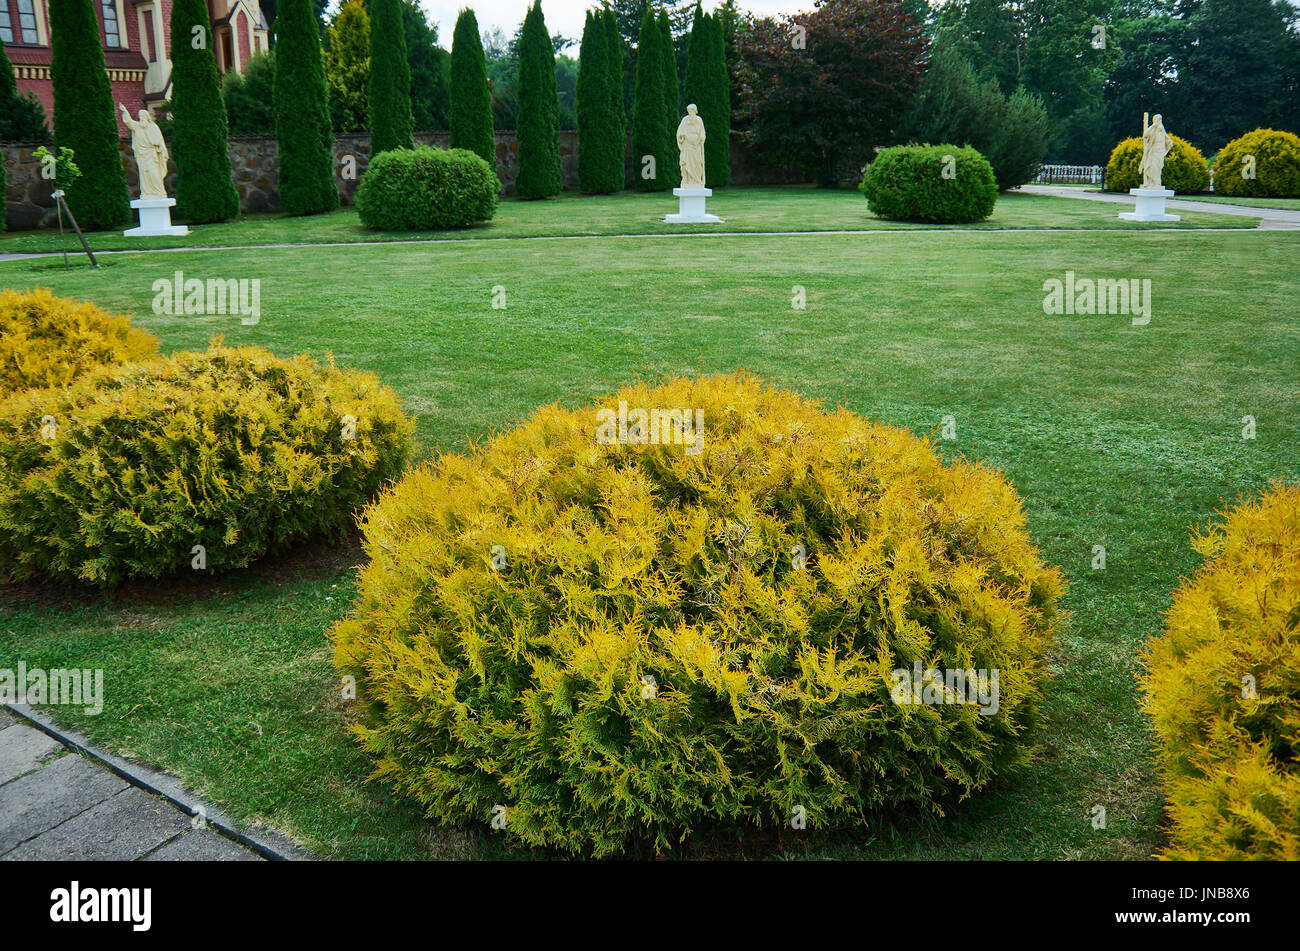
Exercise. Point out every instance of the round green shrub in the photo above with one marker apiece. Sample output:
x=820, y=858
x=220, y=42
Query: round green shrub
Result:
x=1276, y=166
x=50, y=341
x=424, y=188
x=943, y=184
x=1184, y=170
x=623, y=642
x=124, y=471
x=1222, y=686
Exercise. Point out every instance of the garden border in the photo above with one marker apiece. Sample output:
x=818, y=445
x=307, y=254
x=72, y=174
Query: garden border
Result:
x=269, y=845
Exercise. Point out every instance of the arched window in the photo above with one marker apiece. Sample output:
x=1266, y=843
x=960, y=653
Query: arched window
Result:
x=112, y=32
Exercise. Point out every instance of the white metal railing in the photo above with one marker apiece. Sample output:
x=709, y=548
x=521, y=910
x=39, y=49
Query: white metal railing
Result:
x=1070, y=175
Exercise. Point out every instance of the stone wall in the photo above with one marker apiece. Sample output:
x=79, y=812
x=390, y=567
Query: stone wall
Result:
x=254, y=161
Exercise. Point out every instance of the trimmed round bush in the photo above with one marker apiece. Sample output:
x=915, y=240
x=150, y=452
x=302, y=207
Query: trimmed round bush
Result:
x=943, y=184
x=425, y=188
x=1222, y=686
x=125, y=471
x=624, y=642
x=1275, y=166
x=50, y=341
x=1185, y=170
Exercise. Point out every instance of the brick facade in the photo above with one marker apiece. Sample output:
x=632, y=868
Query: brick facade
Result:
x=136, y=50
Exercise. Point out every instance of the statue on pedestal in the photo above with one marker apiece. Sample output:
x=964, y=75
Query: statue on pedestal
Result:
x=1150, y=198
x=1156, y=144
x=690, y=143
x=151, y=162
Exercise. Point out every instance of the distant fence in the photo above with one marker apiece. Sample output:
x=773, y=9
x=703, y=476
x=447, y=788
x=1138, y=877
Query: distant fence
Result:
x=1070, y=175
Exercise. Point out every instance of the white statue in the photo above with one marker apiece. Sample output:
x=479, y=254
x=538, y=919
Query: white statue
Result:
x=150, y=152
x=690, y=142
x=1156, y=144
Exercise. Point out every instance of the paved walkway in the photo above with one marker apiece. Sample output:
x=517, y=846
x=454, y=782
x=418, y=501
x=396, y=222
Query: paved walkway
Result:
x=57, y=805
x=1271, y=219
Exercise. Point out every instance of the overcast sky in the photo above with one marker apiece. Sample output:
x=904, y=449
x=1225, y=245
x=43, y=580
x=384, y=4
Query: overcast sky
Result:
x=562, y=16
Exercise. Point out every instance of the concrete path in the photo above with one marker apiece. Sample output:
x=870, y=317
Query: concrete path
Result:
x=1271, y=219
x=58, y=805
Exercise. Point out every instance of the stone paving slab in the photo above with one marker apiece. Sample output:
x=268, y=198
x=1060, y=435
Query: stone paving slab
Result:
x=61, y=799
x=56, y=792
x=201, y=845
x=131, y=824
x=23, y=749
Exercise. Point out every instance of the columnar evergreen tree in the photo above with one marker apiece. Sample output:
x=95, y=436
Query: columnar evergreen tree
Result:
x=672, y=83
x=471, y=103
x=539, y=111
x=593, y=101
x=390, y=79
x=601, y=140
x=654, y=162
x=302, y=123
x=708, y=86
x=205, y=190
x=84, y=115
x=614, y=65
x=617, y=109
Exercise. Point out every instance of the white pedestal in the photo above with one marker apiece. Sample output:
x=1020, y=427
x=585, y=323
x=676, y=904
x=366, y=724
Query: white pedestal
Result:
x=690, y=207
x=1150, y=205
x=155, y=219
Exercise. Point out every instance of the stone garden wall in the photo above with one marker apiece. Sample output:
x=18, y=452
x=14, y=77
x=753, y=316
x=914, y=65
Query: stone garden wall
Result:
x=254, y=162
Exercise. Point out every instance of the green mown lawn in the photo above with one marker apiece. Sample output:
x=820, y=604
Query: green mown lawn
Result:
x=1116, y=435
x=743, y=210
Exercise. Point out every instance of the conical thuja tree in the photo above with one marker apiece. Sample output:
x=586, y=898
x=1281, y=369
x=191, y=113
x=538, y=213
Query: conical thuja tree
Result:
x=600, y=134
x=471, y=102
x=390, y=79
x=614, y=66
x=84, y=115
x=706, y=86
x=717, y=124
x=652, y=162
x=668, y=60
x=302, y=123
x=205, y=190
x=539, y=111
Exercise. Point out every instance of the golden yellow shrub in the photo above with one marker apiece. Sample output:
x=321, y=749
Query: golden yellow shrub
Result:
x=50, y=341
x=1222, y=685
x=599, y=641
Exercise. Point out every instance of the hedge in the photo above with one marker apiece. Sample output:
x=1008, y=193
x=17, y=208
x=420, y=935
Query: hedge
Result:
x=944, y=184
x=426, y=188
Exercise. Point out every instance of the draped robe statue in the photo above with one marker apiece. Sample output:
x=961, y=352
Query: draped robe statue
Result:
x=690, y=143
x=150, y=153
x=1156, y=144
